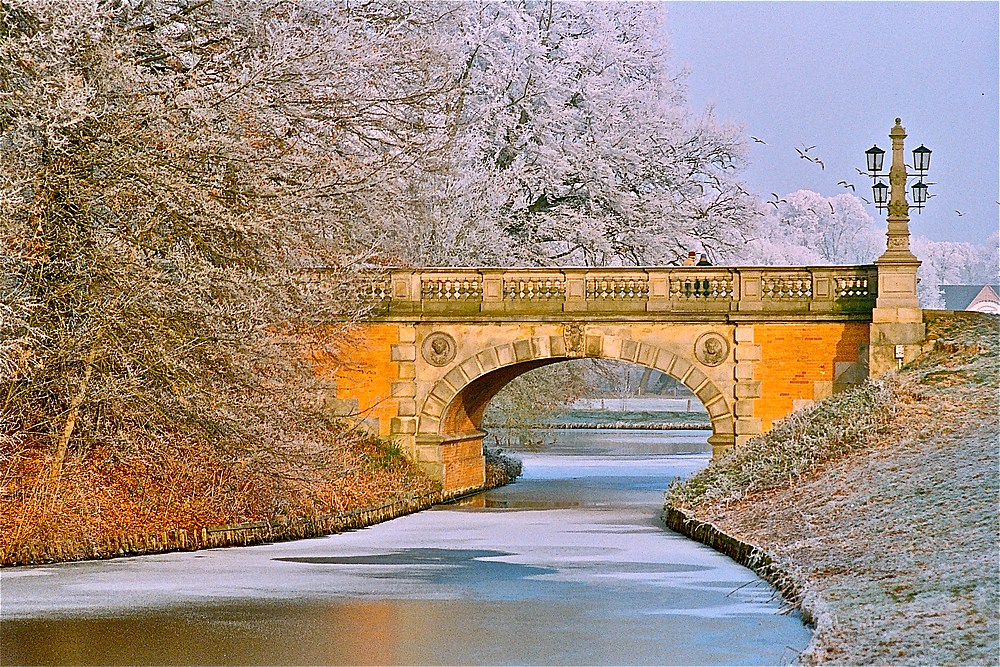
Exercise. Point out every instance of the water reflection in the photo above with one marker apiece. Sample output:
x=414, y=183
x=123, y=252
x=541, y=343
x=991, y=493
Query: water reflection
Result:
x=568, y=566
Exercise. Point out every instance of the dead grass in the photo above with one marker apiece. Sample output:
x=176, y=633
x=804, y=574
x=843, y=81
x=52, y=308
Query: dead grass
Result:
x=895, y=542
x=183, y=486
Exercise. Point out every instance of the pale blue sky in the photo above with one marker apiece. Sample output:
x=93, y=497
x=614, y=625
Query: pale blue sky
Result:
x=836, y=74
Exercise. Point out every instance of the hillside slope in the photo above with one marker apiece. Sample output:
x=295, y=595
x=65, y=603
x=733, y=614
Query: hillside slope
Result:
x=880, y=505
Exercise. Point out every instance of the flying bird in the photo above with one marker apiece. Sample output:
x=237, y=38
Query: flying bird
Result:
x=820, y=163
x=774, y=202
x=831, y=207
x=846, y=185
x=863, y=173
x=960, y=214
x=865, y=200
x=758, y=140
x=806, y=149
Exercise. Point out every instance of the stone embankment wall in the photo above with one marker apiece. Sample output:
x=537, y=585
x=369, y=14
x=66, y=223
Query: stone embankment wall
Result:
x=743, y=553
x=500, y=470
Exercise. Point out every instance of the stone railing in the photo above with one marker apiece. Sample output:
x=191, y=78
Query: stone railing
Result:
x=780, y=290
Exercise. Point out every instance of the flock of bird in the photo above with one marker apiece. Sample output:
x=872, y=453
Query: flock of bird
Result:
x=803, y=152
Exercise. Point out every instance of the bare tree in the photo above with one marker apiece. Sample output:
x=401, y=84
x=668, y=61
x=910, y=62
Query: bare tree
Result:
x=167, y=172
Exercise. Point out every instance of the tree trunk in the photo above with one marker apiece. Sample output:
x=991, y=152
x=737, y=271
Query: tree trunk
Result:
x=74, y=411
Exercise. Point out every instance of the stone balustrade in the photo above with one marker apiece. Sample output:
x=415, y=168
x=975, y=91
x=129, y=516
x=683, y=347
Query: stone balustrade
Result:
x=682, y=291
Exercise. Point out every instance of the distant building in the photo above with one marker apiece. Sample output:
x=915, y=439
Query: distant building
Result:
x=981, y=298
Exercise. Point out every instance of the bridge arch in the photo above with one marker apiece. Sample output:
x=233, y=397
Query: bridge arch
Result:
x=453, y=409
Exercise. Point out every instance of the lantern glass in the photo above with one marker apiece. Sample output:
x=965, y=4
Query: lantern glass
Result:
x=921, y=158
x=919, y=193
x=875, y=157
x=881, y=192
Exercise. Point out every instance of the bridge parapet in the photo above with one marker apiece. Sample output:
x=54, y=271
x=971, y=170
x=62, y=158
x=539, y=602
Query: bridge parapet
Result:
x=847, y=292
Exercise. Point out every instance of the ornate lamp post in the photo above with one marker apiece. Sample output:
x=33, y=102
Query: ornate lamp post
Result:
x=893, y=196
x=897, y=321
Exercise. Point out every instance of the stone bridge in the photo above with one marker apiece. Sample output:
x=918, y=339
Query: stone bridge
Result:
x=753, y=344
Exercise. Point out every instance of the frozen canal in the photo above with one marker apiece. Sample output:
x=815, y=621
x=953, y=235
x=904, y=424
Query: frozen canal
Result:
x=570, y=565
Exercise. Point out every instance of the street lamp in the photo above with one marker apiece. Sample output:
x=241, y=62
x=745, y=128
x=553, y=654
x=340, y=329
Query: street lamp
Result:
x=894, y=195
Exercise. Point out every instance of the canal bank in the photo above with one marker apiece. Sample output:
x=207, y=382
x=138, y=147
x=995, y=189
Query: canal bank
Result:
x=878, y=508
x=500, y=470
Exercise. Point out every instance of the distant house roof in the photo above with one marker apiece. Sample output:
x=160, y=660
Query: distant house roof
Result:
x=984, y=298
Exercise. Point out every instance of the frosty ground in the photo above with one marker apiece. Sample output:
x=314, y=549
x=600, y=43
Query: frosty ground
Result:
x=884, y=514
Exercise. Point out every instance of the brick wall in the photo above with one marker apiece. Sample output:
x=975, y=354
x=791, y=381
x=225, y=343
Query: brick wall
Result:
x=464, y=465
x=363, y=372
x=798, y=363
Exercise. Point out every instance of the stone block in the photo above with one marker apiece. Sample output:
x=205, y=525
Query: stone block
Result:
x=557, y=346
x=443, y=392
x=523, y=351
x=695, y=379
x=471, y=368
x=748, y=389
x=724, y=425
x=800, y=403
x=906, y=333
x=407, y=407
x=402, y=389
x=680, y=367
x=646, y=355
x=717, y=409
x=744, y=371
x=629, y=349
x=847, y=374
x=594, y=347
x=708, y=393
x=403, y=352
x=665, y=361
x=457, y=378
x=505, y=354
x=403, y=425
x=428, y=454
x=488, y=359
x=744, y=334
x=341, y=407
x=748, y=426
x=540, y=348
x=407, y=333
x=748, y=352
x=407, y=370
x=433, y=408
x=369, y=425
x=745, y=407
x=613, y=347
x=822, y=389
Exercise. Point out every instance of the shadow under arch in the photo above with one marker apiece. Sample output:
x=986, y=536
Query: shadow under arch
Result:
x=453, y=409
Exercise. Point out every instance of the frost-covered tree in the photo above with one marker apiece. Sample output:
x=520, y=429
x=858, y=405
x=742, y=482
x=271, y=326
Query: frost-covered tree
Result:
x=952, y=263
x=806, y=228
x=167, y=168
x=573, y=143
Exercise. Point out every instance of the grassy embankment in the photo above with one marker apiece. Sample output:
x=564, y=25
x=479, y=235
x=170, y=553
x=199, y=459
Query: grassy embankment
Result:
x=876, y=509
x=107, y=505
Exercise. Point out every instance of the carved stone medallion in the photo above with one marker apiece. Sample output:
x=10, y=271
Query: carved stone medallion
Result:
x=711, y=349
x=573, y=338
x=439, y=349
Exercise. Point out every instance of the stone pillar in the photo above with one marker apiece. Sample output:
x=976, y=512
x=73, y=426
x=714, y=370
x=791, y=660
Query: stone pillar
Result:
x=897, y=329
x=747, y=390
